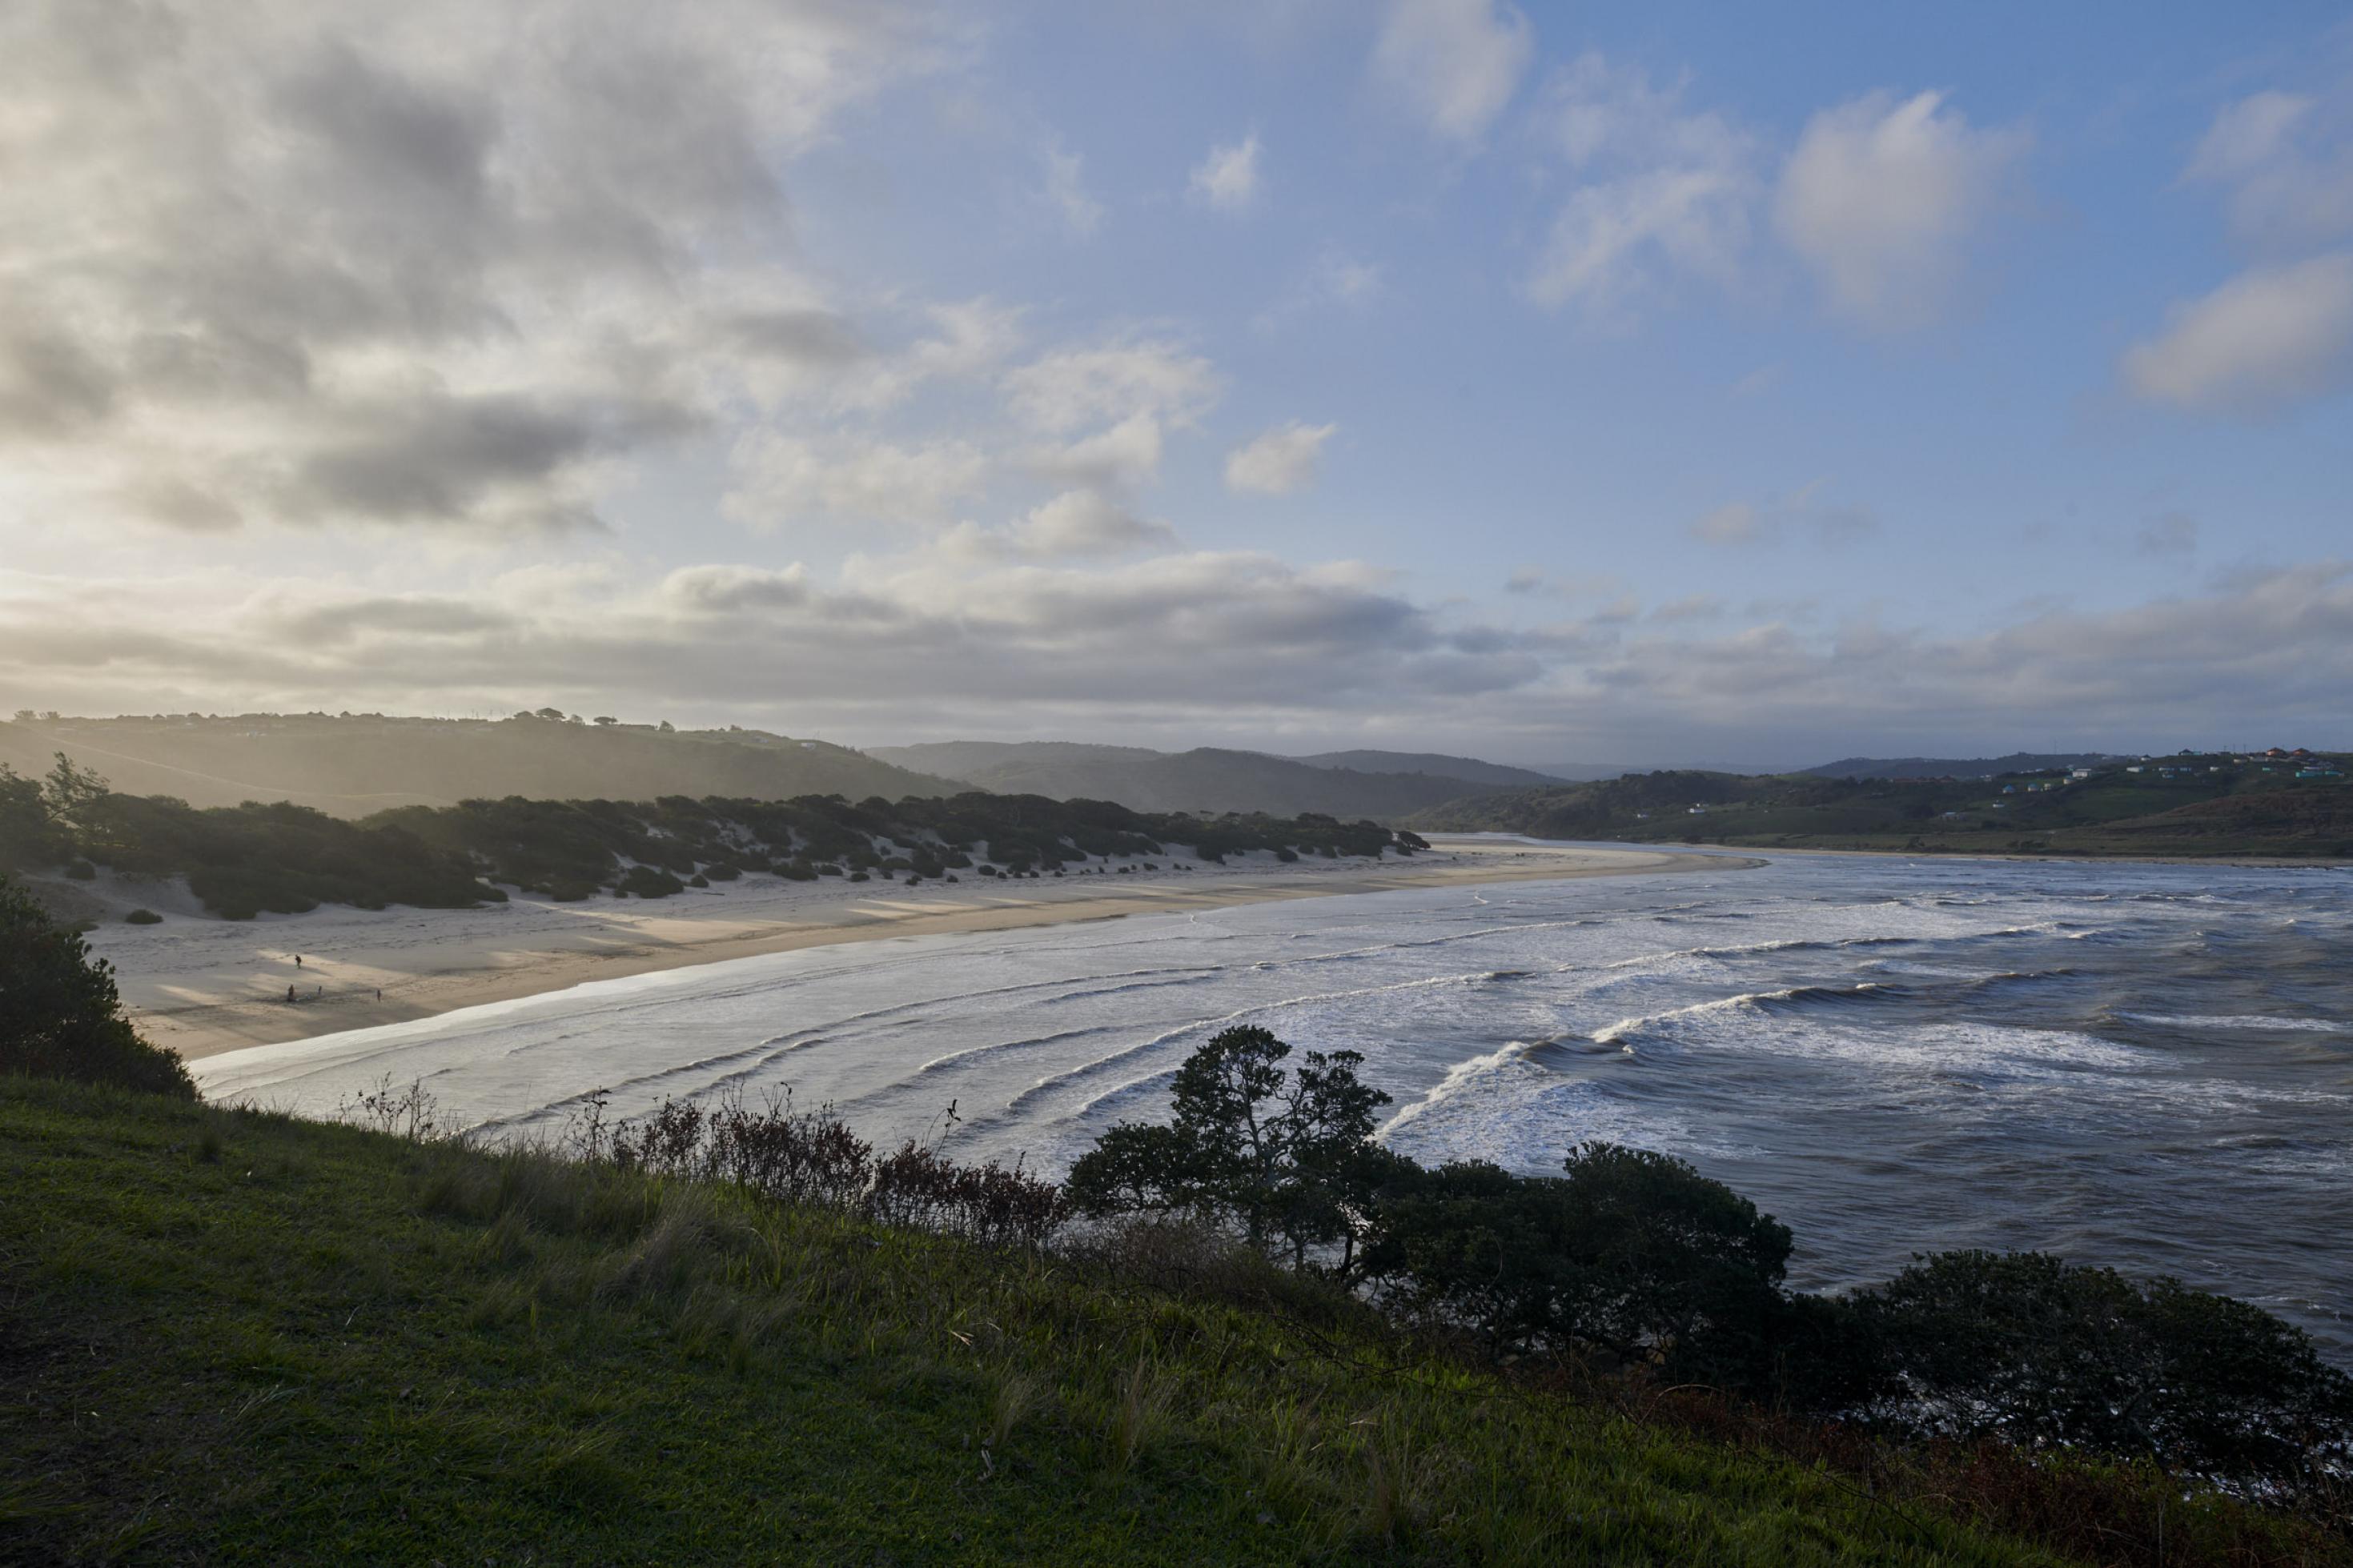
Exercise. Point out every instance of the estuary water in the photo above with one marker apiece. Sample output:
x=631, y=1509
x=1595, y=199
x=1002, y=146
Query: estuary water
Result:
x=2143, y=1065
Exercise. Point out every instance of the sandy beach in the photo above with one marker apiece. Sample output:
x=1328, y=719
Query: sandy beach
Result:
x=203, y=985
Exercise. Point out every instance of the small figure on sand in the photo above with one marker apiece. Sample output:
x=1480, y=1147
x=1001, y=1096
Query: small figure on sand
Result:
x=297, y=961
x=289, y=994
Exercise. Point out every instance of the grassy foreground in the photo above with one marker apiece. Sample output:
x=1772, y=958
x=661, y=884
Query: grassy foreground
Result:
x=232, y=1336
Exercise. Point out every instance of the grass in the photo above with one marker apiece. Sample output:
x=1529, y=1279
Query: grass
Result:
x=230, y=1336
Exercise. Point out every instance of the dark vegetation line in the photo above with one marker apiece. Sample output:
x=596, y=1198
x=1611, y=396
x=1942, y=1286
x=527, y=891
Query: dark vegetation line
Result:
x=2219, y=803
x=2104, y=1419
x=241, y=860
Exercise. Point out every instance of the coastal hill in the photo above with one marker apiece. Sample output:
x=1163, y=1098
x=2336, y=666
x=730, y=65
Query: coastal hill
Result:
x=2269, y=804
x=1958, y=767
x=353, y=765
x=1210, y=780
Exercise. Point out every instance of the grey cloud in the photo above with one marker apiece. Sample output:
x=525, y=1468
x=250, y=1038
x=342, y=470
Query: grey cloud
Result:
x=236, y=236
x=808, y=337
x=2175, y=533
x=440, y=458
x=1186, y=639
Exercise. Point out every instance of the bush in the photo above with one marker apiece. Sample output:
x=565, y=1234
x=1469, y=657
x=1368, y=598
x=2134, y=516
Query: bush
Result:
x=142, y=918
x=647, y=882
x=1287, y=1159
x=2025, y=1347
x=1631, y=1252
x=59, y=1013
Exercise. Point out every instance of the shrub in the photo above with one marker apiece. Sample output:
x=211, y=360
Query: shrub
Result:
x=647, y=882
x=142, y=918
x=1631, y=1252
x=59, y=1013
x=2028, y=1348
x=1285, y=1158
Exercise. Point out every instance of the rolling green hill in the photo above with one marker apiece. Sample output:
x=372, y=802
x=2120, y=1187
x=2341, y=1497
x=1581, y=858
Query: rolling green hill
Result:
x=2217, y=805
x=1207, y=780
x=233, y=1337
x=355, y=765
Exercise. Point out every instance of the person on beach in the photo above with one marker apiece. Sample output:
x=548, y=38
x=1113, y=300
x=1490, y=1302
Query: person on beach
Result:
x=289, y=994
x=297, y=961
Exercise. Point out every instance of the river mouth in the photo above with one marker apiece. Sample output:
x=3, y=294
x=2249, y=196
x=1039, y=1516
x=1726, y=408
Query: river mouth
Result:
x=2149, y=1067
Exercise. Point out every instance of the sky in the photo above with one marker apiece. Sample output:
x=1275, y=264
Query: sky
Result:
x=1642, y=383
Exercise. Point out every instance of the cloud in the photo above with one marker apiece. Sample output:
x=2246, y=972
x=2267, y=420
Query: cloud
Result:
x=1110, y=382
x=1736, y=522
x=1658, y=192
x=1073, y=525
x=781, y=479
x=331, y=263
x=1334, y=279
x=1228, y=179
x=1127, y=453
x=2269, y=338
x=1740, y=523
x=1884, y=198
x=1186, y=642
x=1453, y=64
x=2175, y=533
x=1066, y=192
x=2286, y=161
x=1280, y=461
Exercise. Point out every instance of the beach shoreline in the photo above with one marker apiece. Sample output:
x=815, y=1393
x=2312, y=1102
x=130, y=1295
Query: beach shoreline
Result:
x=201, y=986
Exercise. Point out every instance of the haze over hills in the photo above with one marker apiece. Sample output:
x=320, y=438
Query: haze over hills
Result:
x=1436, y=764
x=355, y=765
x=1954, y=767
x=1211, y=779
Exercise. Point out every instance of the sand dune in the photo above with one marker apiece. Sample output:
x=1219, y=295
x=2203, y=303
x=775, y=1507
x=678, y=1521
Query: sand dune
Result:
x=201, y=985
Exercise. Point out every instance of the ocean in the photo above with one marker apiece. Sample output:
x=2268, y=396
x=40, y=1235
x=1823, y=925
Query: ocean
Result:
x=2149, y=1067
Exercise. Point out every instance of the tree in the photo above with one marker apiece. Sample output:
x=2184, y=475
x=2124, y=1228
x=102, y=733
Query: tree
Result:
x=604, y=719
x=59, y=1013
x=1630, y=1251
x=2032, y=1349
x=1284, y=1158
x=27, y=836
x=68, y=791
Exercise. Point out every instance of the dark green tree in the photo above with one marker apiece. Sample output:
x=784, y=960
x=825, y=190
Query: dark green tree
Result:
x=59, y=1013
x=1631, y=1252
x=2032, y=1349
x=1284, y=1158
x=27, y=837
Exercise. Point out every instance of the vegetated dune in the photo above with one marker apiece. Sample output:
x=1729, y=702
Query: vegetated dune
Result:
x=2208, y=804
x=1207, y=780
x=353, y=766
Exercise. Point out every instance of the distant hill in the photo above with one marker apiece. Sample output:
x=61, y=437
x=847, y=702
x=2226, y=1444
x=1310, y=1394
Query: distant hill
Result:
x=2207, y=805
x=353, y=766
x=1436, y=765
x=1956, y=767
x=1205, y=780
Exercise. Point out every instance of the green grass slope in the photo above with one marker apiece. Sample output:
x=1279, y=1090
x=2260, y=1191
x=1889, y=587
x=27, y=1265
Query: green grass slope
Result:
x=232, y=1337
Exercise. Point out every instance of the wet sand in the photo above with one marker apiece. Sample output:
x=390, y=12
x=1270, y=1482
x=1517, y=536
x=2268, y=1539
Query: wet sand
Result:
x=202, y=986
